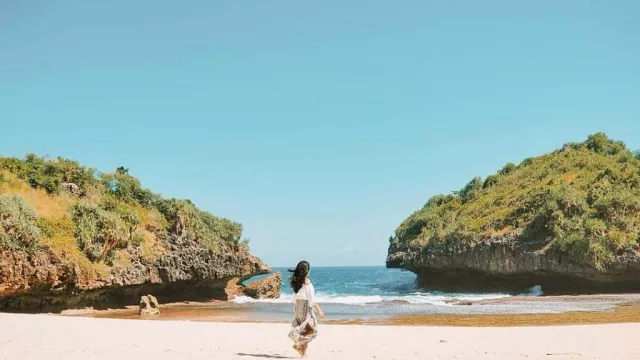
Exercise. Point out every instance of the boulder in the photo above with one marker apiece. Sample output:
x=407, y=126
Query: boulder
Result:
x=267, y=288
x=234, y=289
x=149, y=305
x=71, y=188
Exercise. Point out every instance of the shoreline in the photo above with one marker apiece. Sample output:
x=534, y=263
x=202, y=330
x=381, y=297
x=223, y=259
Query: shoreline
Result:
x=620, y=314
x=622, y=309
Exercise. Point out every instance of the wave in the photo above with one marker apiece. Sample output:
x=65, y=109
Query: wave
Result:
x=414, y=298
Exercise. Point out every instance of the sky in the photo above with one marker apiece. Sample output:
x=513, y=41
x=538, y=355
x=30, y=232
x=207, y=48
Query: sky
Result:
x=319, y=125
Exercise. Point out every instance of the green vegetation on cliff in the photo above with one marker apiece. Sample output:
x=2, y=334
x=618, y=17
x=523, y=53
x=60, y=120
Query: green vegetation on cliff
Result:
x=581, y=201
x=89, y=218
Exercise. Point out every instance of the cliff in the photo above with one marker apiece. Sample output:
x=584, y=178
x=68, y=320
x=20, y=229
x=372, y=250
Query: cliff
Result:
x=567, y=220
x=70, y=238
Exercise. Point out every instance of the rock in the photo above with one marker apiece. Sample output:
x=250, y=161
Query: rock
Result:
x=267, y=288
x=234, y=289
x=149, y=305
x=459, y=302
x=42, y=282
x=500, y=264
x=71, y=188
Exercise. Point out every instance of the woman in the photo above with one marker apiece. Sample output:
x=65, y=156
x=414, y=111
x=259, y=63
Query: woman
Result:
x=305, y=325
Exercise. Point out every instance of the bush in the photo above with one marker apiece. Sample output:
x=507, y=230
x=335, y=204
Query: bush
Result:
x=209, y=230
x=49, y=174
x=508, y=169
x=128, y=189
x=99, y=232
x=601, y=144
x=470, y=190
x=526, y=162
x=18, y=224
x=491, y=181
x=439, y=200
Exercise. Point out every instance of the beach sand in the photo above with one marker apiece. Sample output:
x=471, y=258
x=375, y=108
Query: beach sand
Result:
x=69, y=338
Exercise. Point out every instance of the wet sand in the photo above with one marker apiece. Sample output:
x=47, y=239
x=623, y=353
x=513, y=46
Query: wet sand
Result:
x=625, y=313
x=620, y=309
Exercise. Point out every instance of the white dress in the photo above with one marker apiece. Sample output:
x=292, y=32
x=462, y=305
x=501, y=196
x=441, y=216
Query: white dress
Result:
x=304, y=317
x=306, y=292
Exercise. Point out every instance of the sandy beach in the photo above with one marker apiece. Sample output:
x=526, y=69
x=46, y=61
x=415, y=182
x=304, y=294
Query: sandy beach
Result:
x=68, y=338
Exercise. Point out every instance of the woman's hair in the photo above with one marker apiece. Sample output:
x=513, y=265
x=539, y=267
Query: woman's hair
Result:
x=299, y=276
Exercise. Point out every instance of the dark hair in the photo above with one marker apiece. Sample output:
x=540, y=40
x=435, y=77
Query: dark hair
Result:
x=299, y=276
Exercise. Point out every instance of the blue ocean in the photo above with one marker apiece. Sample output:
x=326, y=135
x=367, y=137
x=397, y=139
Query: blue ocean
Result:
x=378, y=292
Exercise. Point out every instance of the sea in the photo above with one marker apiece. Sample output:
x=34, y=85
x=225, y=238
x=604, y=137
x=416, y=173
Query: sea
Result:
x=371, y=294
x=377, y=292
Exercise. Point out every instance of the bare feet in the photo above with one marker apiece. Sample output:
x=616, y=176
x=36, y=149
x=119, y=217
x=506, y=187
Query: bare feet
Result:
x=300, y=351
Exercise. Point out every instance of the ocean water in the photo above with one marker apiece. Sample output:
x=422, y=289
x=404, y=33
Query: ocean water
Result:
x=366, y=286
x=378, y=292
x=349, y=293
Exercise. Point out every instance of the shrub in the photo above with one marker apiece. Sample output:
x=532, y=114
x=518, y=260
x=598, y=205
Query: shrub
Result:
x=508, y=169
x=18, y=224
x=211, y=231
x=470, y=190
x=439, y=200
x=128, y=189
x=601, y=144
x=490, y=181
x=526, y=162
x=49, y=174
x=99, y=232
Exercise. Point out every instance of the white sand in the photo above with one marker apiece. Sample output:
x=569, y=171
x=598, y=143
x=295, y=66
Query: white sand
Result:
x=69, y=338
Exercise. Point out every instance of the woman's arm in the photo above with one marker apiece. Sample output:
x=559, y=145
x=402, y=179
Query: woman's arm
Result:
x=311, y=297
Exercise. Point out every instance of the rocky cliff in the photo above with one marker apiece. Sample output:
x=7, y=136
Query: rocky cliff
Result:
x=568, y=221
x=107, y=242
x=42, y=281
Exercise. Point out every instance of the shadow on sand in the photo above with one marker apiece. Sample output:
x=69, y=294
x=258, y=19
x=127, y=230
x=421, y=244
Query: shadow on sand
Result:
x=265, y=356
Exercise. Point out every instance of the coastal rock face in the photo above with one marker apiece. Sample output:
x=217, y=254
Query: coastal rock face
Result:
x=267, y=288
x=41, y=271
x=500, y=264
x=43, y=282
x=149, y=305
x=568, y=221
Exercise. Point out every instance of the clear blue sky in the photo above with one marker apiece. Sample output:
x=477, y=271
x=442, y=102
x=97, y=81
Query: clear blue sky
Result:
x=320, y=125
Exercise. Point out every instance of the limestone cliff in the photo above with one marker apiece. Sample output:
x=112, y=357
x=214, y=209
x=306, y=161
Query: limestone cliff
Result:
x=569, y=221
x=43, y=282
x=70, y=238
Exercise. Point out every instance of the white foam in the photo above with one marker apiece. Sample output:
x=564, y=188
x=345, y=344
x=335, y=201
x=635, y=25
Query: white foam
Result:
x=415, y=298
x=534, y=291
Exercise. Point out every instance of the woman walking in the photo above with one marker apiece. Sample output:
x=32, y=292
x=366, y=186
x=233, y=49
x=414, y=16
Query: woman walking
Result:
x=304, y=327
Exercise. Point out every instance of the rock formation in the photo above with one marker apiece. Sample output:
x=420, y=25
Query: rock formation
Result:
x=71, y=238
x=149, y=305
x=567, y=221
x=44, y=282
x=267, y=288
